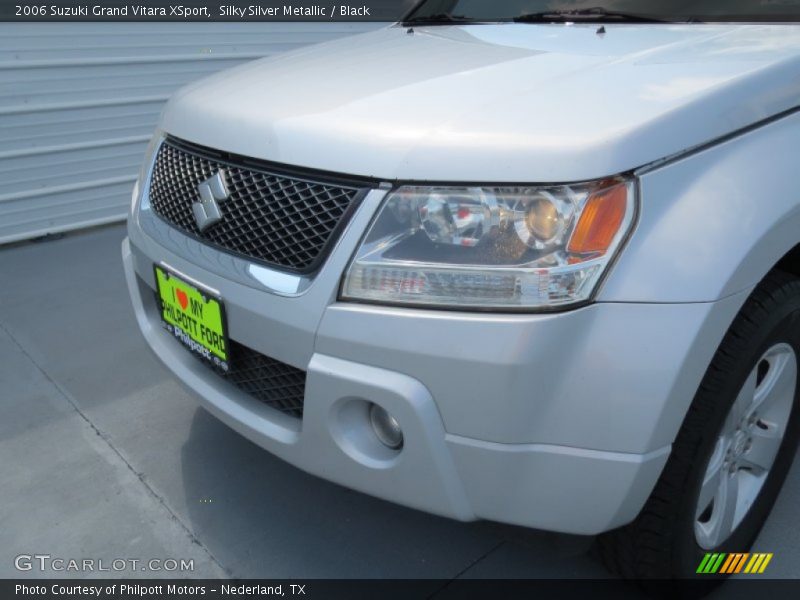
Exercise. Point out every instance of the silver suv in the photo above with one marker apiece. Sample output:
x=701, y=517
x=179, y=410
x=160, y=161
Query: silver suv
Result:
x=518, y=261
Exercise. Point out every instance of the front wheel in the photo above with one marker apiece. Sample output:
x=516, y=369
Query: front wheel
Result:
x=732, y=453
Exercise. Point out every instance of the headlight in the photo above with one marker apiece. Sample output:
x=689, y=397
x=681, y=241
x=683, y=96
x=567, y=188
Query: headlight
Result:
x=491, y=247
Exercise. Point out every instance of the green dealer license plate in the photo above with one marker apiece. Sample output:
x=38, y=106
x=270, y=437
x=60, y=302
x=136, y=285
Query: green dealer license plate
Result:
x=194, y=316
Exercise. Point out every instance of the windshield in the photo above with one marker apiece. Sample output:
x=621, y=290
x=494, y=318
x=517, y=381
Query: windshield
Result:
x=594, y=10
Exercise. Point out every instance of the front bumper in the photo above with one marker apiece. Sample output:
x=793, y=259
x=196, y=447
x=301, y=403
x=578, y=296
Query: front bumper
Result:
x=560, y=422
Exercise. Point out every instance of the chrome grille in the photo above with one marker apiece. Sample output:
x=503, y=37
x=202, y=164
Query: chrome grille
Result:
x=282, y=220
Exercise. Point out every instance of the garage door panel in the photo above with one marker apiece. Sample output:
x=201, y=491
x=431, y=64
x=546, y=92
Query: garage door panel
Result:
x=78, y=102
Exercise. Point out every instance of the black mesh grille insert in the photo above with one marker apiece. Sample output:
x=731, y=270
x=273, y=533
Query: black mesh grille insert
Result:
x=266, y=379
x=281, y=220
x=270, y=381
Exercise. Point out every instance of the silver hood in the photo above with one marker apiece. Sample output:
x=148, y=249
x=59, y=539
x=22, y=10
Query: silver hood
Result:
x=504, y=102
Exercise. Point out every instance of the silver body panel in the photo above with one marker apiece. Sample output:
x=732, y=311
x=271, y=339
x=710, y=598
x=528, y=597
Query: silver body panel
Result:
x=559, y=420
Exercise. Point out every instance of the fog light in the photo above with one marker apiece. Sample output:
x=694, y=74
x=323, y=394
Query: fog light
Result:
x=386, y=427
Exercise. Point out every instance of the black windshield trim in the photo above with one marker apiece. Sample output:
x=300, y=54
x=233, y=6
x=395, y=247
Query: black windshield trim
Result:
x=774, y=19
x=588, y=15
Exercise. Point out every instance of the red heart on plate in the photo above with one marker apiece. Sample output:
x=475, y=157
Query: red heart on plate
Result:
x=183, y=299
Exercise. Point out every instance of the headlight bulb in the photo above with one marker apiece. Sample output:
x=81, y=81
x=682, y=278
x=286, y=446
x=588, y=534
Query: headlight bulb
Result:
x=543, y=219
x=459, y=220
x=541, y=222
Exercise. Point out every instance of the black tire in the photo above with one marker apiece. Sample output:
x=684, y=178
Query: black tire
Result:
x=660, y=543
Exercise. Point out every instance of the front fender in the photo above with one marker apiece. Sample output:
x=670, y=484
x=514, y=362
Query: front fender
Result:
x=714, y=222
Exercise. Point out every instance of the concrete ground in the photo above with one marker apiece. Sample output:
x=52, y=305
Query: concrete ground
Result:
x=104, y=455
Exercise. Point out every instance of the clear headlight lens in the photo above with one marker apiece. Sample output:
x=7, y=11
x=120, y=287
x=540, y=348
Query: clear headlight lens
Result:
x=491, y=247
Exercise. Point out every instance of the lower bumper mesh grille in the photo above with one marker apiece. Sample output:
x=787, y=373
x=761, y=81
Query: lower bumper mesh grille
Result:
x=270, y=381
x=266, y=379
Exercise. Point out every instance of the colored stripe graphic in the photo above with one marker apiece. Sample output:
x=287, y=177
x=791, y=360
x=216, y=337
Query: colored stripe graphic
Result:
x=741, y=562
x=711, y=563
x=717, y=564
x=758, y=563
x=752, y=565
x=703, y=563
x=732, y=558
x=733, y=563
x=764, y=564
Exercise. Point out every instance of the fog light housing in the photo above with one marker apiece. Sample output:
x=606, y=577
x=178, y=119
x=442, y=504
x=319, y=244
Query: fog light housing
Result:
x=386, y=427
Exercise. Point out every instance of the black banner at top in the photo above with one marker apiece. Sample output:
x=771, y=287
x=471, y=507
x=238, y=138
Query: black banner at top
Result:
x=202, y=10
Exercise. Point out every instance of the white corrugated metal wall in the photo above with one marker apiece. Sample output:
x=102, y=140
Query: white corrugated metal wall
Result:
x=78, y=102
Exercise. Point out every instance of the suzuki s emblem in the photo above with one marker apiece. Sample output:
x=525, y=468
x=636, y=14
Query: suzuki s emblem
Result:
x=212, y=191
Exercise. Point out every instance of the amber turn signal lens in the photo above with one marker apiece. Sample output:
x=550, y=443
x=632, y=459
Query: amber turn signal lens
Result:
x=600, y=221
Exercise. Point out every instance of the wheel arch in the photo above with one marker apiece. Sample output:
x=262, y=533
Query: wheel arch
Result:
x=712, y=226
